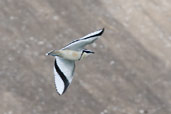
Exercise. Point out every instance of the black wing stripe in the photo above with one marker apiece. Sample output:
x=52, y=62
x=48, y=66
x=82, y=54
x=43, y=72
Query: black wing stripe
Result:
x=100, y=33
x=86, y=37
x=63, y=77
x=73, y=42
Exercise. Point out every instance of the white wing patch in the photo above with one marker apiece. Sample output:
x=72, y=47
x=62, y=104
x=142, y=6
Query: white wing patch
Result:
x=63, y=71
x=82, y=42
x=58, y=82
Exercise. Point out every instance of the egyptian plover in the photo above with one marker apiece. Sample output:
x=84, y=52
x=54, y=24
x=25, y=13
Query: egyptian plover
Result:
x=65, y=58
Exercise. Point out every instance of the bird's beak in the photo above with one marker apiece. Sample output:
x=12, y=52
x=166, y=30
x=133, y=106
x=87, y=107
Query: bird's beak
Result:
x=53, y=53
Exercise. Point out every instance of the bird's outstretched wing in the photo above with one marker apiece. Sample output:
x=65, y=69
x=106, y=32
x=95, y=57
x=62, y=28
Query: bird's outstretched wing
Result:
x=63, y=71
x=82, y=42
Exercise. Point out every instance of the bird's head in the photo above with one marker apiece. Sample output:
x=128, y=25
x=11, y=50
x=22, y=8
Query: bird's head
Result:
x=86, y=53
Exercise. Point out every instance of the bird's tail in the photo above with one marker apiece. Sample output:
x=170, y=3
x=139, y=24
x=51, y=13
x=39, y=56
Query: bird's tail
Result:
x=53, y=53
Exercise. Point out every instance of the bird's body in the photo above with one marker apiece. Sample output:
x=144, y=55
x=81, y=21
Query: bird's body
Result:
x=70, y=54
x=65, y=58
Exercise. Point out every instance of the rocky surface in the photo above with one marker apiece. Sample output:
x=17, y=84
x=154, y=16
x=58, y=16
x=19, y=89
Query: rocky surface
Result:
x=130, y=73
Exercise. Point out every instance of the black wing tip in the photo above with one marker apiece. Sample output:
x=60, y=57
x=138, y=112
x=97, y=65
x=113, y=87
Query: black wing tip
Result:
x=102, y=31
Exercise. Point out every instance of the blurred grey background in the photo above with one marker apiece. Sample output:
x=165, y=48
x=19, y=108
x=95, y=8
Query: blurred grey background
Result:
x=130, y=73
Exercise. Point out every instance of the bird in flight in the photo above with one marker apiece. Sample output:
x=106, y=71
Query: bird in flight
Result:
x=65, y=58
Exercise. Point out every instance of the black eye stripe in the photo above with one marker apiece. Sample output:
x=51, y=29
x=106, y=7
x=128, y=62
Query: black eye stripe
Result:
x=87, y=51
